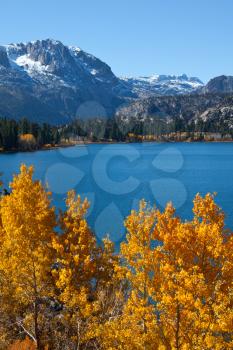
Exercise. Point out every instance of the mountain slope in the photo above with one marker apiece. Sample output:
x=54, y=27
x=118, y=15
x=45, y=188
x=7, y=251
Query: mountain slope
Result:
x=189, y=108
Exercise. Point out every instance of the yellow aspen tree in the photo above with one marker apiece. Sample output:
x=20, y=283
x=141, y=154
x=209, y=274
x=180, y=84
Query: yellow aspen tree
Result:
x=180, y=281
x=76, y=269
x=83, y=275
x=27, y=228
x=190, y=289
x=135, y=328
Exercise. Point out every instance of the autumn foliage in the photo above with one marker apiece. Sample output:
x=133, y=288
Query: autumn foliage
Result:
x=169, y=287
x=25, y=344
x=27, y=142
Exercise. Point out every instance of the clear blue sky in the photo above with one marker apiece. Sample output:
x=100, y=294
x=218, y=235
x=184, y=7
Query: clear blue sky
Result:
x=135, y=37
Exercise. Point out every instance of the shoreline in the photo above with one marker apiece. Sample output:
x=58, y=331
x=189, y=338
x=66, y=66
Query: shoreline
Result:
x=83, y=143
x=44, y=148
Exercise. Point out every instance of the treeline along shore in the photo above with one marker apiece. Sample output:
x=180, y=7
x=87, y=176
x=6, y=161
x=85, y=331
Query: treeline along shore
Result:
x=24, y=135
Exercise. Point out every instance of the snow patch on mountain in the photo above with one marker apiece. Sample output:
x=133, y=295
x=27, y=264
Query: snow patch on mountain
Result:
x=30, y=65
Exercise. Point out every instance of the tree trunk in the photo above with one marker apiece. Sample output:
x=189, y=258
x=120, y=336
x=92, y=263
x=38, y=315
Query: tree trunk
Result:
x=177, y=333
x=37, y=332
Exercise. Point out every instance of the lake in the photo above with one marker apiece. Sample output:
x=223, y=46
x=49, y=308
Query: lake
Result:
x=114, y=177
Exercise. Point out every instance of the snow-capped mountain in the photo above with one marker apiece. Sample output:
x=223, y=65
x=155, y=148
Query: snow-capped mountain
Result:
x=46, y=80
x=163, y=85
x=48, y=60
x=49, y=81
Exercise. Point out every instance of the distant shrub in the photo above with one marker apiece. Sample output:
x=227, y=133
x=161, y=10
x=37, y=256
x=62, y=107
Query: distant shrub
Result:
x=27, y=142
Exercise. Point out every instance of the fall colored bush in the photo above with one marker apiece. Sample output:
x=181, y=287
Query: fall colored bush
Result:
x=25, y=344
x=169, y=287
x=27, y=142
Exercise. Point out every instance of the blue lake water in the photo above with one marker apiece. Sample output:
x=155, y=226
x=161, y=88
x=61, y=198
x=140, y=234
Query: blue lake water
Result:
x=115, y=177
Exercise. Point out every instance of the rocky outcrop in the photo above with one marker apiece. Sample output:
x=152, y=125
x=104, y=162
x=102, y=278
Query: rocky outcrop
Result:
x=222, y=84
